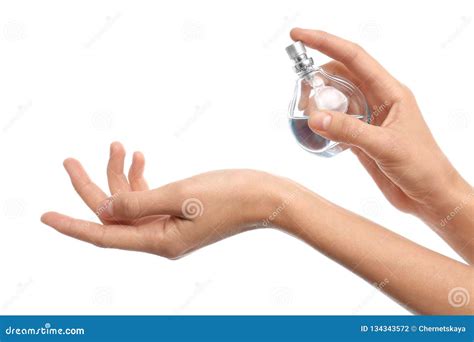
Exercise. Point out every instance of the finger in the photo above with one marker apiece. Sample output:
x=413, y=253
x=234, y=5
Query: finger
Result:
x=135, y=174
x=133, y=205
x=90, y=193
x=344, y=128
x=109, y=236
x=339, y=69
x=380, y=108
x=116, y=178
x=364, y=66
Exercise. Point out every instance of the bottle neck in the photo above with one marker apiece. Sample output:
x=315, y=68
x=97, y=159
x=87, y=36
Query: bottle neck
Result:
x=303, y=65
x=312, y=77
x=306, y=72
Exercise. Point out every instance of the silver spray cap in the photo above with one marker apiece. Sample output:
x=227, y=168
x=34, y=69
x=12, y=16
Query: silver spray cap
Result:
x=297, y=52
x=296, y=49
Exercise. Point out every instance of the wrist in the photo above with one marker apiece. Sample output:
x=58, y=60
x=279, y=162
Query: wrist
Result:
x=441, y=208
x=276, y=199
x=290, y=206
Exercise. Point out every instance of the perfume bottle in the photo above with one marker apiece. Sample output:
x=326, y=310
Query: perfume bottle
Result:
x=318, y=90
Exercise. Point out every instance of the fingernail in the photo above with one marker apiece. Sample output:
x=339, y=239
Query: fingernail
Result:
x=320, y=121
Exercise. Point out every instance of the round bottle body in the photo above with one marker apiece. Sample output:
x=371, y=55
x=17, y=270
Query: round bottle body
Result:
x=318, y=90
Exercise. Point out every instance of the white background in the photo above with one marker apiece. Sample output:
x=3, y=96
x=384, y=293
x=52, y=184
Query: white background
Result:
x=197, y=86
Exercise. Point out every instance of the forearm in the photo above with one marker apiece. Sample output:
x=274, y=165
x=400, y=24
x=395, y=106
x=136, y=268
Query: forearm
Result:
x=451, y=214
x=418, y=278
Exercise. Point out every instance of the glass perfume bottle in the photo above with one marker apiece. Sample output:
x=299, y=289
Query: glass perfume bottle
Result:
x=318, y=90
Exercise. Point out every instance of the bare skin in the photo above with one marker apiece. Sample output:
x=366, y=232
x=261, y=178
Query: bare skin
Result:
x=399, y=151
x=180, y=217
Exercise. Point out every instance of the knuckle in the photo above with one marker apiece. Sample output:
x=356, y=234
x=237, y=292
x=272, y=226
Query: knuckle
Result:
x=176, y=188
x=184, y=188
x=180, y=188
x=170, y=251
x=406, y=92
x=168, y=244
x=99, y=243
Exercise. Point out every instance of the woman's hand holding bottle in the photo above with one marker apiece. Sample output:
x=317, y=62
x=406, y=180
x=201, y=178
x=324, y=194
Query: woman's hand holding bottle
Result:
x=397, y=149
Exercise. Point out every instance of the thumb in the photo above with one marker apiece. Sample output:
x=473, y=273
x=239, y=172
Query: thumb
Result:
x=344, y=128
x=133, y=205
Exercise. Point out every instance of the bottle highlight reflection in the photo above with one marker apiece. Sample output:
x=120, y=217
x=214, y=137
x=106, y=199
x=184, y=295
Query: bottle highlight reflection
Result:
x=317, y=90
